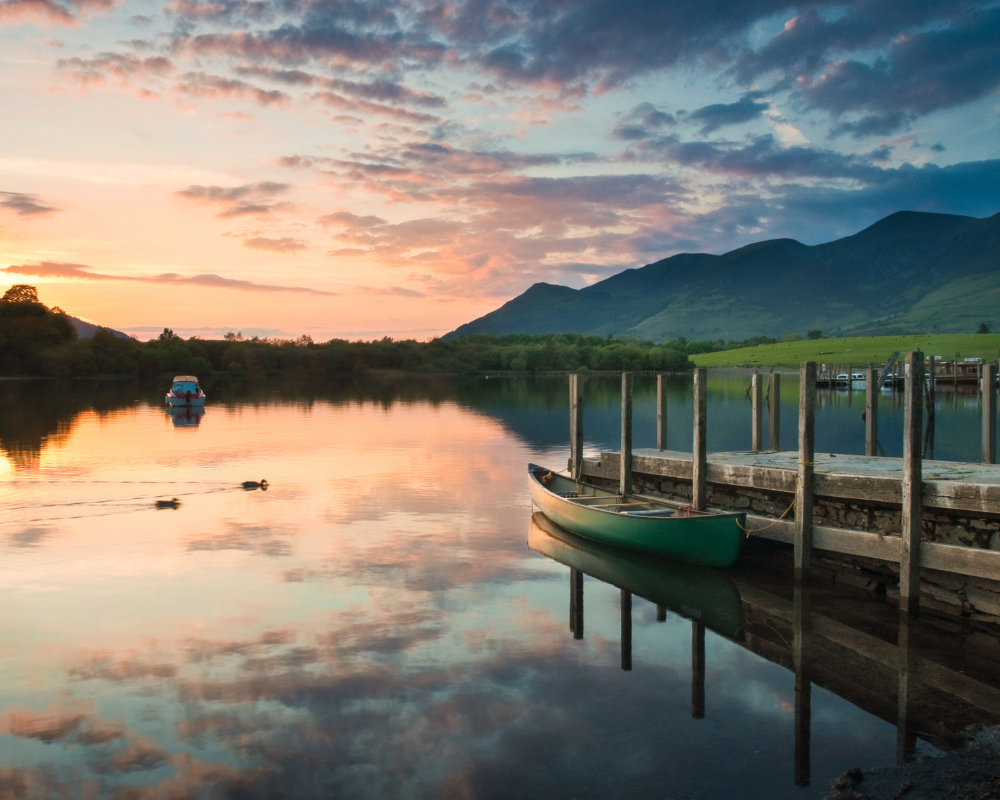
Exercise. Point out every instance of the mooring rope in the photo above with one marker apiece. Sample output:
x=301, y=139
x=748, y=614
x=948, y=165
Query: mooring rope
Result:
x=748, y=531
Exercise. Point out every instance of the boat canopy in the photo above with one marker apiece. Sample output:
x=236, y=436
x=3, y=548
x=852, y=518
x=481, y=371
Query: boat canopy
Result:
x=185, y=378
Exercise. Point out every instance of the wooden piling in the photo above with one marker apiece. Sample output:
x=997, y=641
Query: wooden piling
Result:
x=625, y=480
x=661, y=613
x=697, y=669
x=774, y=411
x=576, y=424
x=909, y=567
x=661, y=412
x=802, y=537
x=850, y=377
x=699, y=461
x=871, y=411
x=954, y=371
x=626, y=630
x=757, y=411
x=989, y=415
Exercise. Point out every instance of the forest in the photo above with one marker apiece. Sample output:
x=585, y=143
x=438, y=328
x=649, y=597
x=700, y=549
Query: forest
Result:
x=37, y=340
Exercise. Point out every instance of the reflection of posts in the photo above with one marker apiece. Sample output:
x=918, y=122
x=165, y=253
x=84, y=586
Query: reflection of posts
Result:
x=626, y=630
x=697, y=669
x=803, y=687
x=576, y=603
x=906, y=740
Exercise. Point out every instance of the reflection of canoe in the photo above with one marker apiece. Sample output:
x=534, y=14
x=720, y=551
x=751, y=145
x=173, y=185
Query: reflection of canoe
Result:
x=711, y=538
x=699, y=593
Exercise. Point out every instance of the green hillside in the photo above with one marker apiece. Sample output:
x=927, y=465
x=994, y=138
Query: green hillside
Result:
x=858, y=350
x=911, y=272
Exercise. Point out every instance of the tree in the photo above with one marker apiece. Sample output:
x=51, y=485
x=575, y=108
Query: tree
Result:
x=21, y=293
x=815, y=334
x=168, y=336
x=983, y=328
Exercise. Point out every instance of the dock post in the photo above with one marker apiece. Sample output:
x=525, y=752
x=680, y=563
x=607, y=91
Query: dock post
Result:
x=850, y=378
x=774, y=410
x=661, y=412
x=802, y=541
x=979, y=375
x=757, y=409
x=954, y=371
x=989, y=415
x=625, y=481
x=576, y=603
x=699, y=460
x=576, y=424
x=626, y=630
x=803, y=686
x=909, y=566
x=661, y=613
x=697, y=669
x=871, y=411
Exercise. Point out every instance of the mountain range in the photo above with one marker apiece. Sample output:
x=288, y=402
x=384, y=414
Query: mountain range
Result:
x=912, y=272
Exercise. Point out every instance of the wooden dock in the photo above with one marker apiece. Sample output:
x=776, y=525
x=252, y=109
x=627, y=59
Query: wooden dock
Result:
x=914, y=514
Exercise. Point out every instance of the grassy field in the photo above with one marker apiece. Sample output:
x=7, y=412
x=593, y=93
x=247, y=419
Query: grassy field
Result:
x=856, y=350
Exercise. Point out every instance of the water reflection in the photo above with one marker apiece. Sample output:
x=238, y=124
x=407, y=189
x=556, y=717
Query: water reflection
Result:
x=185, y=416
x=374, y=625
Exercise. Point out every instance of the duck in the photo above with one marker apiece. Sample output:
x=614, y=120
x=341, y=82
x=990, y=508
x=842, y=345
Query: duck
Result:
x=174, y=503
x=249, y=485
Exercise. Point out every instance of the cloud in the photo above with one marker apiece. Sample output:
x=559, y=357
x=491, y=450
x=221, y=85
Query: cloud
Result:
x=49, y=269
x=24, y=205
x=125, y=67
x=283, y=245
x=249, y=198
x=204, y=86
x=719, y=115
x=643, y=121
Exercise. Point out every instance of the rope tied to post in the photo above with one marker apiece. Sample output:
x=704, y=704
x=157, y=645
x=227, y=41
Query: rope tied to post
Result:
x=784, y=513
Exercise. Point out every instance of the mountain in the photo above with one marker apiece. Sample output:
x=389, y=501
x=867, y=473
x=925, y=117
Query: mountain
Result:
x=912, y=272
x=85, y=330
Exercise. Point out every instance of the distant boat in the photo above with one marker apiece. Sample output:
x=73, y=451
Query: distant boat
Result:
x=857, y=379
x=185, y=391
x=711, y=538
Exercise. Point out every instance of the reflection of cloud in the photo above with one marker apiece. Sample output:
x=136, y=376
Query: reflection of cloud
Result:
x=259, y=539
x=48, y=269
x=29, y=537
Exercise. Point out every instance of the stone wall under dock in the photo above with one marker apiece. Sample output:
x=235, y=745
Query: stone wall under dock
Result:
x=969, y=599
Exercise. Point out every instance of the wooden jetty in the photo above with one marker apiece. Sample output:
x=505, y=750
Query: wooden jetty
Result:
x=902, y=517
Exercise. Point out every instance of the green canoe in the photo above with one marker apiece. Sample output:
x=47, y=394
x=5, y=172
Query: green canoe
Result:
x=711, y=538
x=698, y=593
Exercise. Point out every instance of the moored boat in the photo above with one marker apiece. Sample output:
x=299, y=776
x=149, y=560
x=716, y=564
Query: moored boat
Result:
x=651, y=525
x=185, y=391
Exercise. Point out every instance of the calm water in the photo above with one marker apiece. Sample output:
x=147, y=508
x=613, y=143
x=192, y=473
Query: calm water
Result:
x=375, y=623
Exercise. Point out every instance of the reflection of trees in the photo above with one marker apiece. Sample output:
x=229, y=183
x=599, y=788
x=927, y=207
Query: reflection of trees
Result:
x=39, y=414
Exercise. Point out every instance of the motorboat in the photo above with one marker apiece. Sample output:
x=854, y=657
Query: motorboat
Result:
x=856, y=379
x=185, y=391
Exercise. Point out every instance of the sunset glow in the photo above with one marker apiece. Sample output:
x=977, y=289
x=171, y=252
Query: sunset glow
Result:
x=366, y=169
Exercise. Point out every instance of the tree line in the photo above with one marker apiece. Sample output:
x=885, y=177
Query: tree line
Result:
x=38, y=340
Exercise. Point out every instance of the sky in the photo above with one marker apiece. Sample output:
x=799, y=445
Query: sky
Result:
x=364, y=169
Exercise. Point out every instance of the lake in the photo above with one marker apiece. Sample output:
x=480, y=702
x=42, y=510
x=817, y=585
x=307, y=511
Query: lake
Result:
x=375, y=624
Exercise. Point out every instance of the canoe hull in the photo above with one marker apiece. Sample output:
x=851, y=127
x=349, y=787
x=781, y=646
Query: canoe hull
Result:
x=713, y=540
